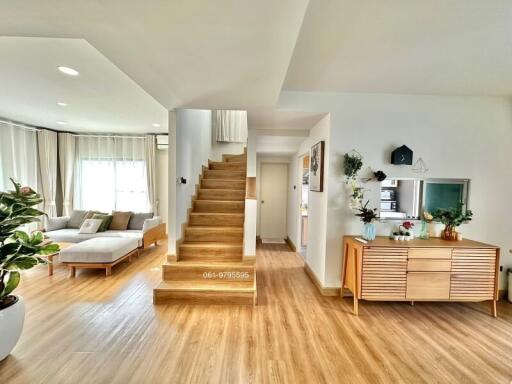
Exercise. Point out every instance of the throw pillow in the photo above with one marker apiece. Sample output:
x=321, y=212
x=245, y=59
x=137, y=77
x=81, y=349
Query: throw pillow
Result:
x=90, y=226
x=76, y=219
x=120, y=220
x=105, y=221
x=137, y=220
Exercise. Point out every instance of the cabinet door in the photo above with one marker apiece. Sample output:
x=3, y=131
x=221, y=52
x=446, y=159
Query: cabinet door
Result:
x=473, y=274
x=428, y=286
x=384, y=273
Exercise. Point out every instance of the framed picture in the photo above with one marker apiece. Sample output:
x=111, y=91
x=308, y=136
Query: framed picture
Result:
x=316, y=167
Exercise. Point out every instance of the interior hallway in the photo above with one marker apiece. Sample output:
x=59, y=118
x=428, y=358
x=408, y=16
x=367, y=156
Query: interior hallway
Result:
x=294, y=335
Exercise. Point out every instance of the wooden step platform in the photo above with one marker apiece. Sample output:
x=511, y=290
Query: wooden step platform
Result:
x=222, y=184
x=216, y=219
x=219, y=272
x=221, y=194
x=234, y=158
x=228, y=166
x=214, y=234
x=223, y=175
x=219, y=206
x=211, y=251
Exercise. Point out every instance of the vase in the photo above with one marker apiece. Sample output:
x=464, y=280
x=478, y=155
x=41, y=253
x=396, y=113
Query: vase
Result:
x=11, y=325
x=424, y=230
x=449, y=233
x=369, y=231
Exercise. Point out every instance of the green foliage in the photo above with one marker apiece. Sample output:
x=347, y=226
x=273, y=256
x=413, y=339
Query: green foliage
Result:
x=453, y=217
x=351, y=165
x=366, y=214
x=18, y=249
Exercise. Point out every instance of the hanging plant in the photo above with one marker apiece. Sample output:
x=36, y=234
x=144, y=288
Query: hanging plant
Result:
x=352, y=164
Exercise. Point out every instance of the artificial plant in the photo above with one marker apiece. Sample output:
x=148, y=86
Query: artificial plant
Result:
x=19, y=250
x=367, y=215
x=352, y=164
x=453, y=217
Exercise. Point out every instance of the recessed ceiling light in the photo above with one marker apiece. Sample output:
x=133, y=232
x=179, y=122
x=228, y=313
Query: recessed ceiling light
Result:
x=68, y=71
x=155, y=125
x=61, y=104
x=61, y=122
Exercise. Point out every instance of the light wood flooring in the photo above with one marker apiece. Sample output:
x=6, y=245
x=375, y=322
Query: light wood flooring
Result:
x=97, y=329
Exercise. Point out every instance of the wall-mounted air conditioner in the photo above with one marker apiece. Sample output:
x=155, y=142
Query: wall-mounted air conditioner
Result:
x=162, y=142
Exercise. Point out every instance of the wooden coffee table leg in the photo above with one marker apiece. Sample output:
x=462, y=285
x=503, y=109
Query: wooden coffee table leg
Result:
x=72, y=271
x=50, y=265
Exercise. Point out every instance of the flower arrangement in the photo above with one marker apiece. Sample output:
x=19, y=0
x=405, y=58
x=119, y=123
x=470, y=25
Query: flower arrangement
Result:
x=367, y=215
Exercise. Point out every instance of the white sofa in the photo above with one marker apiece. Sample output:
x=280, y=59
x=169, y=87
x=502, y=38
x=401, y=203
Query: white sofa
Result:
x=152, y=231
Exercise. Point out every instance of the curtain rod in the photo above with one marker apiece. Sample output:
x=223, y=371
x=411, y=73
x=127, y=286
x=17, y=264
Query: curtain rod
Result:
x=109, y=136
x=24, y=126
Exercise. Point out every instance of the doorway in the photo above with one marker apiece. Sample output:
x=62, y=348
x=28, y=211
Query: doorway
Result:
x=304, y=200
x=273, y=202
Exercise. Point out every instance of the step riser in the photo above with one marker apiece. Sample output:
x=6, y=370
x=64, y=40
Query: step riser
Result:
x=219, y=207
x=228, y=166
x=234, y=158
x=212, y=194
x=237, y=298
x=218, y=275
x=199, y=236
x=224, y=175
x=216, y=221
x=211, y=253
x=223, y=184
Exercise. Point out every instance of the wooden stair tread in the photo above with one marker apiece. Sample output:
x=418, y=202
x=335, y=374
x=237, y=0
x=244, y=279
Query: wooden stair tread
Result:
x=222, y=201
x=229, y=214
x=210, y=244
x=194, y=263
x=202, y=286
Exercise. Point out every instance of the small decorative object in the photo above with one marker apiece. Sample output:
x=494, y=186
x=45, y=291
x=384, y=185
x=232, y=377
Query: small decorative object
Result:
x=352, y=163
x=316, y=167
x=407, y=226
x=425, y=223
x=396, y=236
x=371, y=175
x=408, y=236
x=368, y=216
x=18, y=251
x=402, y=156
x=452, y=218
x=357, y=195
x=380, y=176
x=420, y=166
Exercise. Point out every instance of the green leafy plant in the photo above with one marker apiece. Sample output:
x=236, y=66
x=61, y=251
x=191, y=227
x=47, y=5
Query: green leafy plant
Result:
x=453, y=217
x=352, y=164
x=367, y=215
x=19, y=250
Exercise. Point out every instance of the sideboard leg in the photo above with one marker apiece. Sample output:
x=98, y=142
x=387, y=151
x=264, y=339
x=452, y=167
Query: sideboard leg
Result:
x=412, y=303
x=494, y=309
x=356, y=306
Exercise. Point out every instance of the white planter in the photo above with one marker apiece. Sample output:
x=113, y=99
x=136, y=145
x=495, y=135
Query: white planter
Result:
x=11, y=325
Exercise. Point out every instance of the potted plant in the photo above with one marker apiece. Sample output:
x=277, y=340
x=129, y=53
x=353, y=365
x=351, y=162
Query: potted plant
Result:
x=368, y=217
x=352, y=164
x=407, y=230
x=18, y=251
x=396, y=235
x=452, y=218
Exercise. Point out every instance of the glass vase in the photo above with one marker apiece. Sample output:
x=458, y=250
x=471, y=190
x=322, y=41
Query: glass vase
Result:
x=424, y=230
x=369, y=231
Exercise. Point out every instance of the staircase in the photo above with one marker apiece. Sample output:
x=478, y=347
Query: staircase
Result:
x=210, y=266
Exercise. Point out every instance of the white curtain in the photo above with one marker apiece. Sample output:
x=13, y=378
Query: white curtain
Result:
x=111, y=174
x=150, y=158
x=18, y=156
x=67, y=165
x=230, y=126
x=47, y=150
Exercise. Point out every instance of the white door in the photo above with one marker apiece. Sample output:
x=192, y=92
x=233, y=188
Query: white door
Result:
x=273, y=200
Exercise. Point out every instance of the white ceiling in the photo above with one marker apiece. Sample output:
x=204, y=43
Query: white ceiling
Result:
x=193, y=54
x=456, y=47
x=278, y=144
x=100, y=99
x=271, y=118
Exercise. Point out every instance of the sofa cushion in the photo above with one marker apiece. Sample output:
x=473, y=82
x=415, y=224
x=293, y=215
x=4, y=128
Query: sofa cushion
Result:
x=120, y=220
x=98, y=250
x=90, y=226
x=54, y=223
x=105, y=221
x=137, y=220
x=71, y=235
x=76, y=219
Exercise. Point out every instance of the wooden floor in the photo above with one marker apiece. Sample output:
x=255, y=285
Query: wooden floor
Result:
x=94, y=329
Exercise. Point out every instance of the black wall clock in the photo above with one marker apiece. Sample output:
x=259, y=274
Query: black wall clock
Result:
x=402, y=156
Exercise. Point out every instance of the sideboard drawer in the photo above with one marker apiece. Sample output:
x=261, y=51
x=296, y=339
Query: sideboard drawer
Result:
x=430, y=253
x=428, y=286
x=429, y=265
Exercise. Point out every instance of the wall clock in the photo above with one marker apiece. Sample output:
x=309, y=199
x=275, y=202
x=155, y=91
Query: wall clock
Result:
x=402, y=156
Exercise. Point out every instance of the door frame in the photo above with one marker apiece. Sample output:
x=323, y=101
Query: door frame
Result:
x=300, y=159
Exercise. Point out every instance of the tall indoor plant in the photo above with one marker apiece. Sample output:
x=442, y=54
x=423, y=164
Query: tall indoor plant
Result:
x=18, y=251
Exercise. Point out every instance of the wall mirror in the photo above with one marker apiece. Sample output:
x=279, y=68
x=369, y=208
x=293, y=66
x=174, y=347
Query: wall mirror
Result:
x=402, y=198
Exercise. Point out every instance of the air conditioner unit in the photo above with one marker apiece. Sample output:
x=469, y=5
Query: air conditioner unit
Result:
x=162, y=142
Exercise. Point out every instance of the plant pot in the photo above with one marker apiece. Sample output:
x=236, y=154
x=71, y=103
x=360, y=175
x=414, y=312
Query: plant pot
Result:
x=401, y=237
x=369, y=231
x=11, y=325
x=407, y=238
x=396, y=237
x=449, y=233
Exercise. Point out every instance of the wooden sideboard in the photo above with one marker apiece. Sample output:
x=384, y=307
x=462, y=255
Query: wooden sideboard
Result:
x=420, y=270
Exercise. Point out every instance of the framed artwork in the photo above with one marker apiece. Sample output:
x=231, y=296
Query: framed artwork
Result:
x=316, y=167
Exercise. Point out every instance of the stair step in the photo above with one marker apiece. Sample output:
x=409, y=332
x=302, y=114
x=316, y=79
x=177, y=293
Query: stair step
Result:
x=223, y=184
x=205, y=292
x=219, y=206
x=224, y=175
x=221, y=194
x=210, y=252
x=235, y=158
x=216, y=219
x=228, y=165
x=215, y=272
x=214, y=234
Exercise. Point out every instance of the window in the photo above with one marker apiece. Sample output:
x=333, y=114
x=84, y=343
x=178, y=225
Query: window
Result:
x=108, y=185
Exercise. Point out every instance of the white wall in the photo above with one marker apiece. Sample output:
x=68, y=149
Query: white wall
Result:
x=251, y=205
x=458, y=137
x=171, y=186
x=162, y=183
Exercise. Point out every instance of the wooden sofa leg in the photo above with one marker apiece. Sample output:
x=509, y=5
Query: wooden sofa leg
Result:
x=108, y=271
x=72, y=271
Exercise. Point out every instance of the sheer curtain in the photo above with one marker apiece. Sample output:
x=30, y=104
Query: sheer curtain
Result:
x=111, y=174
x=230, y=126
x=18, y=156
x=67, y=165
x=150, y=158
x=47, y=150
